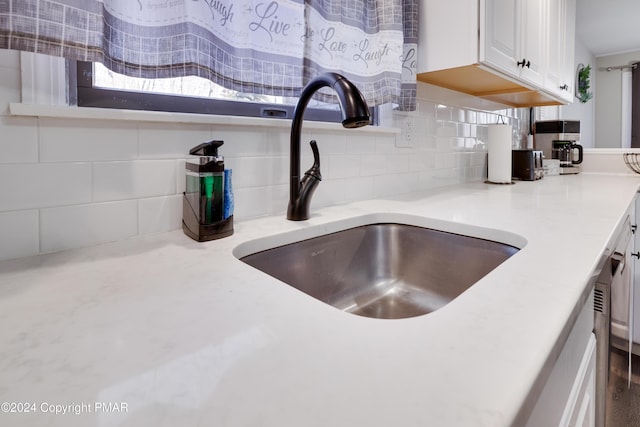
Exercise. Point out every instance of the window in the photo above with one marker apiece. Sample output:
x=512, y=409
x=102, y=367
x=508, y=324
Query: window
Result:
x=96, y=86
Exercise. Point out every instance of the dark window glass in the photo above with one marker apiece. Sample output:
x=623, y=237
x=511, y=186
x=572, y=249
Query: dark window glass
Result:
x=96, y=86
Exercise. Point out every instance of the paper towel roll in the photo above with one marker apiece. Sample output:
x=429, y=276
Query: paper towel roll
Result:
x=499, y=152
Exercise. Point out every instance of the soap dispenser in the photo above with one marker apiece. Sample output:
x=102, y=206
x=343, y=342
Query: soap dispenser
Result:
x=203, y=205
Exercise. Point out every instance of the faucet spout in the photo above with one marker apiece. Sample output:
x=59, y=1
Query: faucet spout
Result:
x=355, y=113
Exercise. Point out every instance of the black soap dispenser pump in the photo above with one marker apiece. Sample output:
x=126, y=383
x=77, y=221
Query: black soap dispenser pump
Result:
x=203, y=202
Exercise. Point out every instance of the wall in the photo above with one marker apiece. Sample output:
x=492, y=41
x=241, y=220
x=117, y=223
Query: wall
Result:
x=609, y=98
x=577, y=110
x=67, y=183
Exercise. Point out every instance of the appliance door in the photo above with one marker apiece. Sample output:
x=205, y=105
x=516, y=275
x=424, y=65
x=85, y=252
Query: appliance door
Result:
x=612, y=319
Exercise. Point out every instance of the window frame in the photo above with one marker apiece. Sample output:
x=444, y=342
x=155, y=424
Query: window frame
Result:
x=83, y=93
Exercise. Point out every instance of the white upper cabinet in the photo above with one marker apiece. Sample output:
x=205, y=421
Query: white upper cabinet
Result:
x=512, y=35
x=560, y=64
x=500, y=42
x=511, y=51
x=568, y=58
x=532, y=58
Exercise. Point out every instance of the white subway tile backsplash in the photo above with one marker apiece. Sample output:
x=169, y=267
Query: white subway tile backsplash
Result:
x=446, y=129
x=386, y=185
x=328, y=143
x=464, y=130
x=344, y=166
x=277, y=199
x=398, y=163
x=85, y=225
x=361, y=188
x=475, y=173
x=328, y=193
x=278, y=142
x=419, y=162
x=171, y=141
x=249, y=142
x=445, y=161
x=64, y=140
x=458, y=143
x=360, y=143
x=463, y=159
x=482, y=133
x=479, y=159
x=386, y=145
x=458, y=115
x=408, y=182
x=37, y=185
x=253, y=171
x=485, y=118
x=68, y=183
x=428, y=143
x=471, y=144
x=20, y=234
x=443, y=112
x=373, y=164
x=19, y=142
x=137, y=179
x=444, y=143
x=253, y=202
x=160, y=214
x=181, y=179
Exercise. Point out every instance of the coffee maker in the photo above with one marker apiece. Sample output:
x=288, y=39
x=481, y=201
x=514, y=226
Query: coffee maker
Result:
x=560, y=139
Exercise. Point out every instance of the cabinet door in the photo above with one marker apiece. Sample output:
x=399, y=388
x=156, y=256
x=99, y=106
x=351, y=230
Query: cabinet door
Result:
x=583, y=411
x=555, y=47
x=622, y=295
x=514, y=35
x=569, y=67
x=501, y=32
x=532, y=43
x=560, y=70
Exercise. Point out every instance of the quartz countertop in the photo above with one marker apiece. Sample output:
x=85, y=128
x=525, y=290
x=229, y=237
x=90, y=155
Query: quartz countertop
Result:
x=165, y=331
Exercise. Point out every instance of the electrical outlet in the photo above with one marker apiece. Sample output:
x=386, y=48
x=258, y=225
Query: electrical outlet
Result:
x=409, y=128
x=408, y=133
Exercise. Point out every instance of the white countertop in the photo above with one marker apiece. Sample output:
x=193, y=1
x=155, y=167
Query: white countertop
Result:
x=184, y=334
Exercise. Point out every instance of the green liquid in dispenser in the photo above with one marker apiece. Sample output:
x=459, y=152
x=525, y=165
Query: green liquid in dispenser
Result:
x=205, y=194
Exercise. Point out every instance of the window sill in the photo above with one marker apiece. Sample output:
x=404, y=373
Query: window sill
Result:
x=66, y=112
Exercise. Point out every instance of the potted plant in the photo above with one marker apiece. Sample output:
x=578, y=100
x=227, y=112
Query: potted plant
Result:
x=582, y=85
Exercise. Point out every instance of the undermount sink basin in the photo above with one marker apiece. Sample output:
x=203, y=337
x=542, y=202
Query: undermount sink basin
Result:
x=383, y=270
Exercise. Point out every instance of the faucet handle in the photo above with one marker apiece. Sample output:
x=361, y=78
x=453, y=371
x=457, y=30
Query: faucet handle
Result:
x=298, y=209
x=314, y=171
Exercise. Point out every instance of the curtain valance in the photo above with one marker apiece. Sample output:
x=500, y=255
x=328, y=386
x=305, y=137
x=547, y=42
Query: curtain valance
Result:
x=264, y=47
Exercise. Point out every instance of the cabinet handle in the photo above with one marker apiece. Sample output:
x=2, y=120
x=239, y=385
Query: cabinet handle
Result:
x=634, y=227
x=617, y=260
x=564, y=87
x=637, y=254
x=524, y=63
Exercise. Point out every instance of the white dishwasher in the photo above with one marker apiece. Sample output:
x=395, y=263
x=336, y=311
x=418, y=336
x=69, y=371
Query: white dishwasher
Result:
x=612, y=313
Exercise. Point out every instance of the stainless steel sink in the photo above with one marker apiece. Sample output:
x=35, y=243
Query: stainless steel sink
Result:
x=384, y=270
